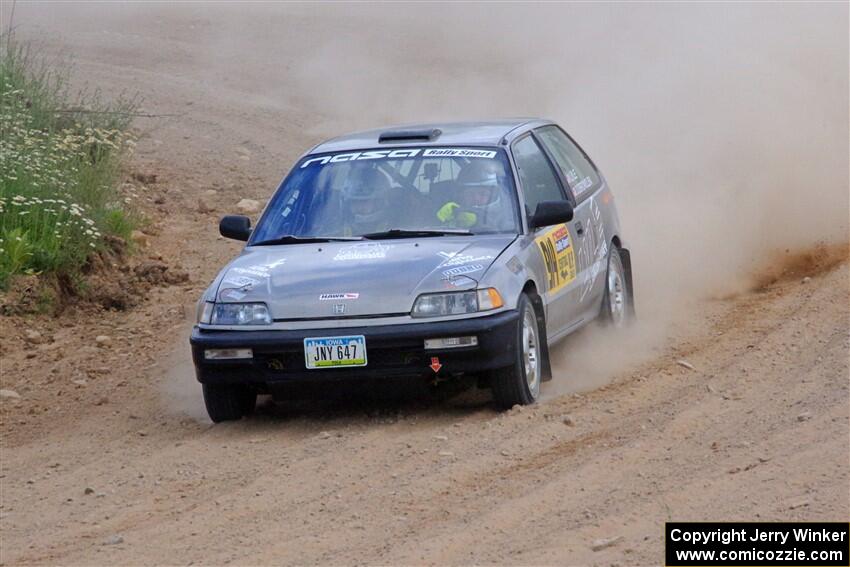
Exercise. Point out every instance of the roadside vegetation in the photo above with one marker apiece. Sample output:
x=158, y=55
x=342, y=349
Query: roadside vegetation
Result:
x=60, y=168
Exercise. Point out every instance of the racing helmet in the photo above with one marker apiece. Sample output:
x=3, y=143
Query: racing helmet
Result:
x=366, y=192
x=480, y=183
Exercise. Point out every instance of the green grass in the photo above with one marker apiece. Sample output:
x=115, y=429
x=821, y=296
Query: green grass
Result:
x=60, y=165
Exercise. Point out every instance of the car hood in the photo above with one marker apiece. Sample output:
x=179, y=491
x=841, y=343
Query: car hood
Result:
x=356, y=279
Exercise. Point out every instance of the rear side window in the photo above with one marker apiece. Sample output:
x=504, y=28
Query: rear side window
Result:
x=578, y=171
x=539, y=182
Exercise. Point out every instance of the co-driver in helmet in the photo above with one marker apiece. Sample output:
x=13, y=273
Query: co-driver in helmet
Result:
x=479, y=203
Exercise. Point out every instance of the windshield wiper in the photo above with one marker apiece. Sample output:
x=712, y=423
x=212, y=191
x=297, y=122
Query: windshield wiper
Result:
x=292, y=239
x=412, y=233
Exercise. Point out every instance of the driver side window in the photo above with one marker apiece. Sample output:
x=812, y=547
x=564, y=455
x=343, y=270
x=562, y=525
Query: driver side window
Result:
x=539, y=182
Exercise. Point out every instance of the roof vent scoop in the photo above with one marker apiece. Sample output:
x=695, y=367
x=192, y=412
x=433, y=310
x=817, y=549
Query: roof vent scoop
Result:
x=409, y=136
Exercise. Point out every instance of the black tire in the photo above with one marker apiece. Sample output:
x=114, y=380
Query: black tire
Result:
x=511, y=384
x=616, y=311
x=226, y=402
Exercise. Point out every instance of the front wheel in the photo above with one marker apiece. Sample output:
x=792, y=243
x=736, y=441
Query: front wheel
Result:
x=228, y=402
x=520, y=382
x=616, y=303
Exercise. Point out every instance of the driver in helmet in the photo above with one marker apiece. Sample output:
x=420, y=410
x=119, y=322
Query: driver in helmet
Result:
x=479, y=201
x=366, y=197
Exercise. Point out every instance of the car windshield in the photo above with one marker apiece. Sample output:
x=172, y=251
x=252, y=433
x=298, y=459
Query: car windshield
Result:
x=397, y=193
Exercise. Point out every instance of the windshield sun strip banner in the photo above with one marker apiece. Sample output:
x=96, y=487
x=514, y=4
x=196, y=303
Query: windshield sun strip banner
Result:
x=400, y=153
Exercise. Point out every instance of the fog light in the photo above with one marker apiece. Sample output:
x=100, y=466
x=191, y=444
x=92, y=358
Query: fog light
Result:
x=228, y=353
x=450, y=342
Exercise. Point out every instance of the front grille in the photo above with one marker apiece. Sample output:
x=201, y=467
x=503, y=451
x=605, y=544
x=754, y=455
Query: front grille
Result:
x=342, y=317
x=293, y=361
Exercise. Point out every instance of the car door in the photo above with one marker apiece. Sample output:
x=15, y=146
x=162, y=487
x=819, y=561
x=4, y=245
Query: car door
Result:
x=583, y=182
x=540, y=182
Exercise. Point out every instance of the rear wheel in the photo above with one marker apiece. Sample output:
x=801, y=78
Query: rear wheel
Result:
x=228, y=402
x=616, y=308
x=520, y=382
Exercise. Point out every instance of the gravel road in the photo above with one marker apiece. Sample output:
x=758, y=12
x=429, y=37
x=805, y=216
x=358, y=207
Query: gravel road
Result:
x=735, y=407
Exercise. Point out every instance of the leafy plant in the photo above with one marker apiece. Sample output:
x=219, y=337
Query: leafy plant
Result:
x=60, y=164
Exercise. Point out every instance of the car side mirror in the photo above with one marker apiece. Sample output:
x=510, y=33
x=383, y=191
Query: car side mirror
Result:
x=551, y=212
x=236, y=227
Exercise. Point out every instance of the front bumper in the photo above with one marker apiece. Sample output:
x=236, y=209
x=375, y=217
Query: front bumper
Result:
x=393, y=351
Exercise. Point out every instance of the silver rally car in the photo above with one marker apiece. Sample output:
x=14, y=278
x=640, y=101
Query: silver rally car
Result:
x=430, y=251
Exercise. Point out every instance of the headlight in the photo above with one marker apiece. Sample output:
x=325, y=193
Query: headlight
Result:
x=240, y=314
x=456, y=303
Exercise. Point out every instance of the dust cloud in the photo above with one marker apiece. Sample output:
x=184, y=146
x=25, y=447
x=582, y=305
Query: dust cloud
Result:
x=180, y=390
x=722, y=128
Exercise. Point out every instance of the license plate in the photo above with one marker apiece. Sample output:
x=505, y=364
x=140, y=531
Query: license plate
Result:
x=335, y=352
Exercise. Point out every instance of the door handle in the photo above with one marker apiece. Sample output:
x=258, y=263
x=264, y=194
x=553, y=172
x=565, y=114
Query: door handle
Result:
x=579, y=228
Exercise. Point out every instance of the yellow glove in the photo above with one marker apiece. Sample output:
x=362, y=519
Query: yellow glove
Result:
x=462, y=219
x=466, y=220
x=447, y=211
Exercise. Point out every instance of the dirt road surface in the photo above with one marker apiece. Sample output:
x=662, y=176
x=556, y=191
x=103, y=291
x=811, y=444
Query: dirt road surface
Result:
x=108, y=458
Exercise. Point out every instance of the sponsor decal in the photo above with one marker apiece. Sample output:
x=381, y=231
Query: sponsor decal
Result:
x=468, y=269
x=454, y=282
x=593, y=250
x=262, y=271
x=360, y=156
x=514, y=265
x=455, y=259
x=338, y=296
x=256, y=271
x=363, y=251
x=459, y=152
x=577, y=186
x=240, y=281
x=561, y=237
x=558, y=257
x=232, y=294
x=582, y=186
x=235, y=287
